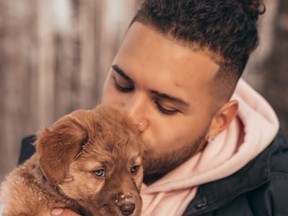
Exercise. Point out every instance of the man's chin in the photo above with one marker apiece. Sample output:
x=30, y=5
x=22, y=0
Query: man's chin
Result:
x=151, y=178
x=159, y=167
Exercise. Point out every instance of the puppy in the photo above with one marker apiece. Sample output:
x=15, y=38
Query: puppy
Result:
x=88, y=161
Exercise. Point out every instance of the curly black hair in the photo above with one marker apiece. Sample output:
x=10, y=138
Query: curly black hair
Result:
x=227, y=28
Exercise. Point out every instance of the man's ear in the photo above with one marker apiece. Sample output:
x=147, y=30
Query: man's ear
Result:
x=58, y=145
x=222, y=118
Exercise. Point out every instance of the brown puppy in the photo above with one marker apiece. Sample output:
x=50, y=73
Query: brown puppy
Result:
x=89, y=161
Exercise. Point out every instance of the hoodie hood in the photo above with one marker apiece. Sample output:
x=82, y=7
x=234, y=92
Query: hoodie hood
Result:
x=248, y=135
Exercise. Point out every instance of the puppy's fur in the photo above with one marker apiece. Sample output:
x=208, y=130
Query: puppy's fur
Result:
x=89, y=161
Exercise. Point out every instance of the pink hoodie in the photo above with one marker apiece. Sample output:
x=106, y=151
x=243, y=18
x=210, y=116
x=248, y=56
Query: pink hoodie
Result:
x=248, y=135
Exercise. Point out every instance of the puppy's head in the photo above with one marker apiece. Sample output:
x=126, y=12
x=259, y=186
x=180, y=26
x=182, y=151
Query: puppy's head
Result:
x=95, y=158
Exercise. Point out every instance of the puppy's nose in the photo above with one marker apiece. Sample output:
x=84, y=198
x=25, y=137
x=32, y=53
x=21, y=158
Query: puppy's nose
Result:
x=127, y=208
x=125, y=202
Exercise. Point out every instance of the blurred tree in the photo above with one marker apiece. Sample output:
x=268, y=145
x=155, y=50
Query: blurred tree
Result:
x=54, y=58
x=267, y=70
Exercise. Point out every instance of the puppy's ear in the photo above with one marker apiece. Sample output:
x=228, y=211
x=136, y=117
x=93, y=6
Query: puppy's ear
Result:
x=58, y=145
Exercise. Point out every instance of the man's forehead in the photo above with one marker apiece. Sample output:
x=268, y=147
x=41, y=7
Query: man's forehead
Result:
x=139, y=30
x=140, y=36
x=162, y=61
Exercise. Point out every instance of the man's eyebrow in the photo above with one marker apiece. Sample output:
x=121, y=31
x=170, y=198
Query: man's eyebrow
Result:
x=179, y=101
x=170, y=98
x=118, y=70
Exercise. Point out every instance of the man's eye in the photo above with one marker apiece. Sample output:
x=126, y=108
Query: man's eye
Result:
x=100, y=173
x=122, y=85
x=165, y=110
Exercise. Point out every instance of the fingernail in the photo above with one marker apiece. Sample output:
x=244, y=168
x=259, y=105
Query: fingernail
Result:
x=57, y=211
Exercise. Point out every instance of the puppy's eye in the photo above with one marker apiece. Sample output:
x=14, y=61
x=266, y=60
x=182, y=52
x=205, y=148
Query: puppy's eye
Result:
x=100, y=173
x=134, y=169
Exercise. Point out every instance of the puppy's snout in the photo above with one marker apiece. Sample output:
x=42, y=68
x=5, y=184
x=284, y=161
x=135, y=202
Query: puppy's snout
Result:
x=127, y=208
x=125, y=204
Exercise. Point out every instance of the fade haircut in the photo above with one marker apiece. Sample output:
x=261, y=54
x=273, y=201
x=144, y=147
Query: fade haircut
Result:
x=226, y=28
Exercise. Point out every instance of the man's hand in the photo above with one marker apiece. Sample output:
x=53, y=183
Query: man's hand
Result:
x=63, y=212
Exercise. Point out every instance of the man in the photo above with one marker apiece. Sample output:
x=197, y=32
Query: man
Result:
x=212, y=144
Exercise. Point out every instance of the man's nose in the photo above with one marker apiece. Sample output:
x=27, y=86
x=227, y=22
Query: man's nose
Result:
x=136, y=107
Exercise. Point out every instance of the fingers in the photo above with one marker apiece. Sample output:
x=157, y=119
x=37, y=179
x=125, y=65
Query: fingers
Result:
x=63, y=212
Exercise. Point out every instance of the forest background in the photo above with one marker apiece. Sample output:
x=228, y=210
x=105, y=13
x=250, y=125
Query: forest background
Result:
x=54, y=56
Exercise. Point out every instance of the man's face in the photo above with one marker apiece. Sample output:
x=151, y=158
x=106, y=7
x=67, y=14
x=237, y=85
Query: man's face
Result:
x=165, y=89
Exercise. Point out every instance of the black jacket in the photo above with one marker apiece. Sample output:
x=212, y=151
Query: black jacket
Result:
x=258, y=189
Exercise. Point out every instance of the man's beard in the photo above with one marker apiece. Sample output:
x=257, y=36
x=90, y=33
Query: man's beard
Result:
x=156, y=166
